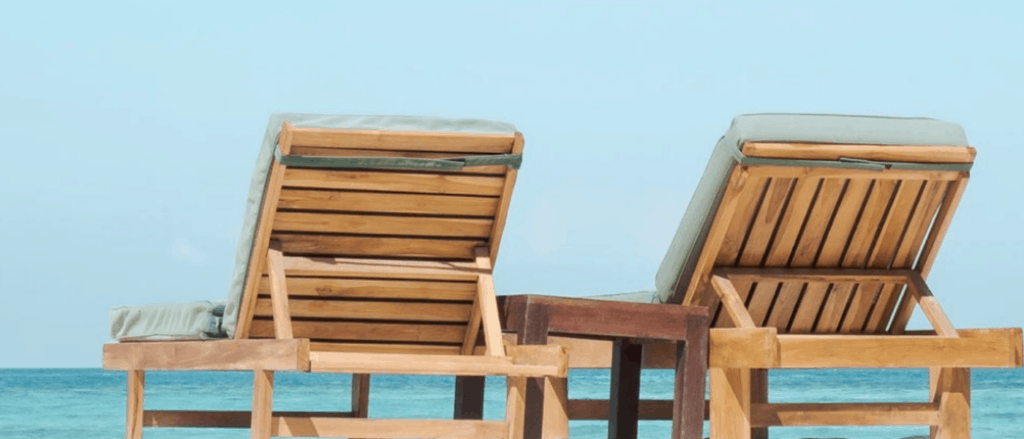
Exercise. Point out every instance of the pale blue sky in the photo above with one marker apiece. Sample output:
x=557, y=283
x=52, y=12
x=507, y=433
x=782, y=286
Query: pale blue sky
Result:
x=130, y=131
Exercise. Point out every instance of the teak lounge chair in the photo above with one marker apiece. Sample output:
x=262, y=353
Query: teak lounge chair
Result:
x=810, y=238
x=367, y=247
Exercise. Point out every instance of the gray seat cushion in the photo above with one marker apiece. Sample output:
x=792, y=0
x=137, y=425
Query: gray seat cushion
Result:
x=803, y=128
x=167, y=321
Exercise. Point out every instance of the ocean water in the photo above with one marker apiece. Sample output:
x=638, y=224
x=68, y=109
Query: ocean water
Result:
x=90, y=403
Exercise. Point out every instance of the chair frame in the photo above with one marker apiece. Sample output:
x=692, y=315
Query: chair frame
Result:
x=284, y=352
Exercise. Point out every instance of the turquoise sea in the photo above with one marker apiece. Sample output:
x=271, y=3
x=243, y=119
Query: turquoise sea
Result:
x=90, y=403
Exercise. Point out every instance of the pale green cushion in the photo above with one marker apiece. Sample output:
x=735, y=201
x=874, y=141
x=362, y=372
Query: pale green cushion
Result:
x=679, y=262
x=167, y=321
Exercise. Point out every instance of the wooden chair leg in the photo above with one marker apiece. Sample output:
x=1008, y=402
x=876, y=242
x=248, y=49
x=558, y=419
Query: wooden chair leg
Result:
x=691, y=370
x=951, y=389
x=360, y=395
x=730, y=403
x=469, y=397
x=556, y=406
x=515, y=407
x=262, y=403
x=759, y=394
x=624, y=402
x=136, y=395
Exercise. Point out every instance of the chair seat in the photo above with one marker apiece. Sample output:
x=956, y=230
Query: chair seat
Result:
x=197, y=320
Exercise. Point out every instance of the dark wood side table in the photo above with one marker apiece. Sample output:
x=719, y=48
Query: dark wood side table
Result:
x=534, y=317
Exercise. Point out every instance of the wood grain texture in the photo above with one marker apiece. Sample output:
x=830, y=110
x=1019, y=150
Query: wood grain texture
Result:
x=730, y=403
x=209, y=355
x=279, y=308
x=382, y=225
x=403, y=140
x=359, y=331
x=375, y=289
x=262, y=404
x=407, y=182
x=372, y=310
x=313, y=426
x=950, y=389
x=501, y=216
x=835, y=414
x=363, y=246
x=881, y=153
x=136, y=397
x=381, y=268
x=351, y=201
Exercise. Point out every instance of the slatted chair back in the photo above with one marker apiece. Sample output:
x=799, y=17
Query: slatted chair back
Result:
x=385, y=239
x=825, y=238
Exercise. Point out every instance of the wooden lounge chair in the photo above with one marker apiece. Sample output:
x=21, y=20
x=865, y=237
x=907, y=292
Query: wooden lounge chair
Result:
x=367, y=248
x=810, y=238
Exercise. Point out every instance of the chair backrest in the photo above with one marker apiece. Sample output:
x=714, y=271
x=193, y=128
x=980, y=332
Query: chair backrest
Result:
x=384, y=234
x=790, y=201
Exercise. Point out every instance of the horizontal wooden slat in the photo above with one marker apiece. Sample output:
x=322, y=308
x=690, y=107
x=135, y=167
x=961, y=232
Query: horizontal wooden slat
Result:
x=813, y=275
x=422, y=183
x=597, y=409
x=218, y=418
x=209, y=355
x=522, y=361
x=403, y=140
x=389, y=348
x=378, y=289
x=344, y=152
x=348, y=201
x=382, y=225
x=773, y=171
x=326, y=330
x=384, y=428
x=309, y=244
x=798, y=415
x=371, y=310
x=382, y=268
x=882, y=153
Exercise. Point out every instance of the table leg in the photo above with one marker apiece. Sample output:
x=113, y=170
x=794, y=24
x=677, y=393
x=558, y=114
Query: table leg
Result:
x=624, y=401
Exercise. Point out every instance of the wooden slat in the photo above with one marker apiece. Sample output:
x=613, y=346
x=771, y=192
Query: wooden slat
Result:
x=836, y=238
x=856, y=255
x=881, y=153
x=756, y=248
x=773, y=171
x=219, y=418
x=310, y=244
x=825, y=275
x=889, y=253
x=312, y=151
x=394, y=181
x=506, y=199
x=386, y=348
x=257, y=258
x=327, y=330
x=733, y=240
x=871, y=414
x=597, y=409
x=782, y=251
x=381, y=268
x=403, y=140
x=736, y=188
x=872, y=222
x=974, y=348
x=473, y=328
x=372, y=310
x=278, y=303
x=377, y=289
x=349, y=201
x=382, y=225
x=418, y=364
x=384, y=428
x=209, y=355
